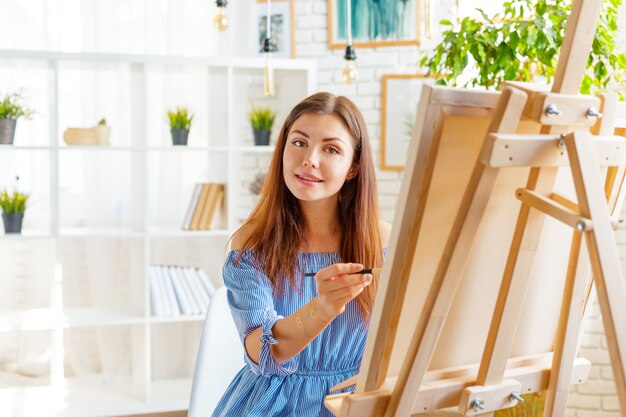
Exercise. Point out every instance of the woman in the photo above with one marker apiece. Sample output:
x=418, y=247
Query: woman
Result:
x=318, y=213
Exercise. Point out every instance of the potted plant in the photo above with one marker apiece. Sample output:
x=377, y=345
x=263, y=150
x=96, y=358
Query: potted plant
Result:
x=522, y=43
x=12, y=108
x=180, y=123
x=13, y=208
x=261, y=119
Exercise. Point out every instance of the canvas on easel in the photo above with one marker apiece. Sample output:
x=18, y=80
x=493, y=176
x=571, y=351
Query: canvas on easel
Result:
x=482, y=294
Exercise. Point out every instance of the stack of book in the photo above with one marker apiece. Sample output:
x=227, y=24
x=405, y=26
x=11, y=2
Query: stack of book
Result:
x=176, y=291
x=204, y=206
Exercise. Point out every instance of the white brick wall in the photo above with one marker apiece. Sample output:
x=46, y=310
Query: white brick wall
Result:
x=597, y=397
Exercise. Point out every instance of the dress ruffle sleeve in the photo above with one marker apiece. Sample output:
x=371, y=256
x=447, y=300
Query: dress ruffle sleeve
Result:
x=251, y=304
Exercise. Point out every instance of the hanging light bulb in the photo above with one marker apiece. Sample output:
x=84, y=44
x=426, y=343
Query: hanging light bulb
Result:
x=349, y=74
x=268, y=74
x=221, y=20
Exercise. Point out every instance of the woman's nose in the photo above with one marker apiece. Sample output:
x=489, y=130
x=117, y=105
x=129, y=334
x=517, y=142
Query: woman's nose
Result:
x=311, y=159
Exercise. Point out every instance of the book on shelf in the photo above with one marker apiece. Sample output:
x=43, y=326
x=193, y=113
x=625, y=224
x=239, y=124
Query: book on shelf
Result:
x=176, y=290
x=204, y=206
x=197, y=189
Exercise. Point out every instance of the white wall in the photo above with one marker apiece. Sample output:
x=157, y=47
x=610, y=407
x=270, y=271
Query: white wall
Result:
x=184, y=28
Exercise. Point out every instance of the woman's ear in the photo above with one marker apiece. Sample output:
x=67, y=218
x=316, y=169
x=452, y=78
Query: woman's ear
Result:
x=353, y=172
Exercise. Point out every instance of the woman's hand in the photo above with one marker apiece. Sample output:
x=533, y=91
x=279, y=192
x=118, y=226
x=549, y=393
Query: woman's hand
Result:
x=336, y=286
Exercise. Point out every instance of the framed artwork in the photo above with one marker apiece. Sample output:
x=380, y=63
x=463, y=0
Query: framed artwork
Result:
x=400, y=95
x=282, y=27
x=374, y=23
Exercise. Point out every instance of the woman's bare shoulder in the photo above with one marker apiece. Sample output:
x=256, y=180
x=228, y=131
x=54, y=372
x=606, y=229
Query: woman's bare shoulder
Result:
x=238, y=239
x=385, y=232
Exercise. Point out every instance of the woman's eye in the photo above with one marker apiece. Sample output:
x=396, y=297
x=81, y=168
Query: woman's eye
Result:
x=297, y=142
x=333, y=151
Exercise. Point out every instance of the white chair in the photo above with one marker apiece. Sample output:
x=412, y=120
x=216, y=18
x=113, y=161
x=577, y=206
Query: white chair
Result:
x=220, y=357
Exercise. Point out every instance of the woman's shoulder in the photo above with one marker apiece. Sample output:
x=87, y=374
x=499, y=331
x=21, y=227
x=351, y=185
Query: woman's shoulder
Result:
x=238, y=239
x=385, y=232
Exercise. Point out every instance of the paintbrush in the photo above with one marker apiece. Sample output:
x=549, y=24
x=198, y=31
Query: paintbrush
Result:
x=363, y=271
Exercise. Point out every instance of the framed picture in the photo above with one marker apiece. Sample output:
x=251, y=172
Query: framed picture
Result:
x=400, y=95
x=374, y=23
x=282, y=27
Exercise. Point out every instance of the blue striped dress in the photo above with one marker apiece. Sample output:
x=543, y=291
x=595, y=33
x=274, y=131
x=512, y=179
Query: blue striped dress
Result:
x=297, y=387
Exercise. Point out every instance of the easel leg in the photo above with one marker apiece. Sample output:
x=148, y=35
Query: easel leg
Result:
x=572, y=308
x=605, y=263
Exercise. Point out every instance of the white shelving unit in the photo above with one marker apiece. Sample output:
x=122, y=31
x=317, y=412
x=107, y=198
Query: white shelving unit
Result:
x=76, y=333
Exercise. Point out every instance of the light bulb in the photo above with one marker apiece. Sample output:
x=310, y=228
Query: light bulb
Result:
x=268, y=72
x=221, y=20
x=349, y=74
x=268, y=75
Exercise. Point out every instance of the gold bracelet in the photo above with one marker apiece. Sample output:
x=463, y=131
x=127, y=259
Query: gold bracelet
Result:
x=313, y=314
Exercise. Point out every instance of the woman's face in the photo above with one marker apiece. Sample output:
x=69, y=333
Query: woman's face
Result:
x=318, y=157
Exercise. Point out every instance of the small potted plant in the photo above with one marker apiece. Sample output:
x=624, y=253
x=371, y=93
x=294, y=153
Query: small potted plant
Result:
x=13, y=208
x=261, y=119
x=180, y=123
x=12, y=107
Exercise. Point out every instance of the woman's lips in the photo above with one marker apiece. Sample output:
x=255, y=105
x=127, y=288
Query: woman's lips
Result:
x=307, y=180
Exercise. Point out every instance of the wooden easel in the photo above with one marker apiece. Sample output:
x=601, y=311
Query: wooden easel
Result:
x=413, y=362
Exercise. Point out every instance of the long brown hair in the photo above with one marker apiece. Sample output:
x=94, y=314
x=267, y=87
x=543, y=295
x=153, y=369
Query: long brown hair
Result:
x=275, y=229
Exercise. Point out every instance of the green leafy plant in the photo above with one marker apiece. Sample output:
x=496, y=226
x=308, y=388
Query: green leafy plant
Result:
x=261, y=118
x=521, y=42
x=102, y=122
x=180, y=118
x=13, y=203
x=12, y=106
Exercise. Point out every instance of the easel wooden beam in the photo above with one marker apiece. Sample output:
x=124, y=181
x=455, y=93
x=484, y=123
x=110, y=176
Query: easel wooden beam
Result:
x=444, y=389
x=403, y=239
x=608, y=276
x=510, y=150
x=554, y=209
x=572, y=63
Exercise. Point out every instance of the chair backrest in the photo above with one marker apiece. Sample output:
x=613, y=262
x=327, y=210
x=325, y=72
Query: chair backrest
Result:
x=220, y=357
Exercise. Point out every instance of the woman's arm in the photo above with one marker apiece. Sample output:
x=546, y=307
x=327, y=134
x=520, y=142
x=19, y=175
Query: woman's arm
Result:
x=336, y=286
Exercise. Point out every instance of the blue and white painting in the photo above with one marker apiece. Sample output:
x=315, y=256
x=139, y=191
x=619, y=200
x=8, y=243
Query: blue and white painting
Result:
x=375, y=21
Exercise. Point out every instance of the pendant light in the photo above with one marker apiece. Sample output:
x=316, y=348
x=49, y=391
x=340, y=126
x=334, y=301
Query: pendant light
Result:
x=221, y=20
x=349, y=74
x=268, y=74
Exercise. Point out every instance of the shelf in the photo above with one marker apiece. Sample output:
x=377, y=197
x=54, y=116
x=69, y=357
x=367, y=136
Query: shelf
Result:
x=249, y=63
x=34, y=319
x=85, y=317
x=94, y=396
x=28, y=233
x=48, y=319
x=254, y=149
x=175, y=232
x=177, y=319
x=99, y=148
x=23, y=148
x=99, y=232
x=106, y=213
x=171, y=394
x=112, y=148
x=180, y=148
